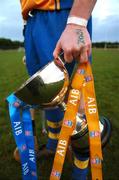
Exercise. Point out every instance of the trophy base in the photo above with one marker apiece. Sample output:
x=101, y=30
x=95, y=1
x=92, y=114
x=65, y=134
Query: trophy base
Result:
x=79, y=141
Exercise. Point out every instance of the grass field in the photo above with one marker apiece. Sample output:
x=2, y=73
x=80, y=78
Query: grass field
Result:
x=106, y=73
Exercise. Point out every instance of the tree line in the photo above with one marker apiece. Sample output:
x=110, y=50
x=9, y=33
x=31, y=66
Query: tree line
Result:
x=105, y=45
x=6, y=44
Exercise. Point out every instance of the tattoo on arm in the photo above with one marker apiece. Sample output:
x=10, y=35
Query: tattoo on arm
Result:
x=80, y=36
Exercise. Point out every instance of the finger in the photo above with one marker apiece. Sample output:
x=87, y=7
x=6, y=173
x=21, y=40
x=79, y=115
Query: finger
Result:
x=83, y=56
x=89, y=51
x=57, y=50
x=68, y=56
x=76, y=52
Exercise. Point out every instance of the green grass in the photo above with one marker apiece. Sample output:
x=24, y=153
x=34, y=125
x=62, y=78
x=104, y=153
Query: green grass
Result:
x=13, y=74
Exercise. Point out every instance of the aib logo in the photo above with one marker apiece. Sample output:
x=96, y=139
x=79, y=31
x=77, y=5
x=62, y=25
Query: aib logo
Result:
x=94, y=134
x=28, y=133
x=96, y=160
x=33, y=173
x=16, y=104
x=88, y=78
x=68, y=123
x=23, y=148
x=81, y=71
x=56, y=173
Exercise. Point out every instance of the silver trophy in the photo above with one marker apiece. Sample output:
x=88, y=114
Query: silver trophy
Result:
x=47, y=89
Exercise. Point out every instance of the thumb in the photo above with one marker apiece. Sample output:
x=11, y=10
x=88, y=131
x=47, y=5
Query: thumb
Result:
x=57, y=50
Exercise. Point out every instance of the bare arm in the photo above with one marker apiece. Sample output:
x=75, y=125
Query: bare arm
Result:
x=82, y=8
x=75, y=40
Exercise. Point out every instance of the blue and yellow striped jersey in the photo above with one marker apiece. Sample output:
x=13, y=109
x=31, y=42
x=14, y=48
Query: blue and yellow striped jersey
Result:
x=28, y=5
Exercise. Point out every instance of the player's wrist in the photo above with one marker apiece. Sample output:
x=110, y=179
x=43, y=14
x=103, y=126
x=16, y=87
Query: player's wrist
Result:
x=77, y=21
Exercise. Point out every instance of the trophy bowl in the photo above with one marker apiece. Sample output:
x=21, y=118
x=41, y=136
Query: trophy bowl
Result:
x=80, y=136
x=46, y=88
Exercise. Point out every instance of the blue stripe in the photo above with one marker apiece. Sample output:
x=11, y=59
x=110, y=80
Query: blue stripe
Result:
x=81, y=158
x=52, y=144
x=79, y=173
x=67, y=4
x=54, y=115
x=54, y=130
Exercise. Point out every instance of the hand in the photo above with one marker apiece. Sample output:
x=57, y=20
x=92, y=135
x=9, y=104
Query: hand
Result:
x=75, y=42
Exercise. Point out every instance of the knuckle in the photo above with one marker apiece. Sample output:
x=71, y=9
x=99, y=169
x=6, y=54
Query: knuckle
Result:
x=76, y=49
x=82, y=46
x=68, y=50
x=68, y=58
x=85, y=48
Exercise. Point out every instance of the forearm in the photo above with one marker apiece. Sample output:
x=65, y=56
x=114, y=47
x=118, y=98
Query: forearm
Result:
x=75, y=40
x=82, y=8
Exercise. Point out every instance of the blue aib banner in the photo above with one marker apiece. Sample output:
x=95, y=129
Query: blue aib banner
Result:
x=23, y=133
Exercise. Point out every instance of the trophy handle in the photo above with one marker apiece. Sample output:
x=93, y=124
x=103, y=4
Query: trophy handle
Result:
x=61, y=57
x=60, y=61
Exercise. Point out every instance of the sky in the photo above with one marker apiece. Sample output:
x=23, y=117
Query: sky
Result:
x=105, y=20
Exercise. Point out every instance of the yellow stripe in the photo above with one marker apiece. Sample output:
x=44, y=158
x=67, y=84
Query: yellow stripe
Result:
x=54, y=124
x=58, y=4
x=53, y=135
x=81, y=164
